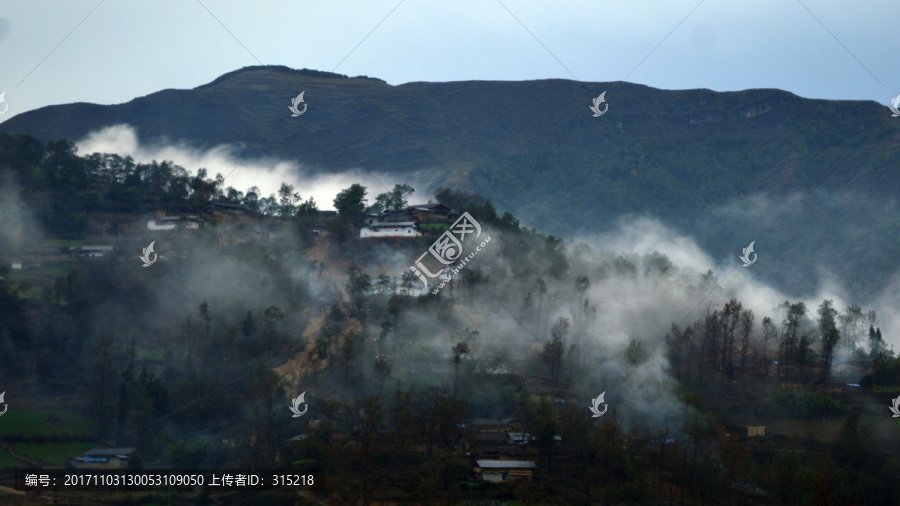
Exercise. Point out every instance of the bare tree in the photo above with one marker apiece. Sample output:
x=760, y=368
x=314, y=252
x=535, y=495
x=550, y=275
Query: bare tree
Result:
x=408, y=279
x=459, y=349
x=675, y=341
x=582, y=285
x=287, y=200
x=585, y=313
x=394, y=307
x=746, y=326
x=636, y=354
x=273, y=315
x=542, y=291
x=382, y=370
x=709, y=339
x=730, y=316
x=688, y=337
x=358, y=284
x=790, y=335
x=556, y=347
x=830, y=335
x=187, y=330
x=527, y=306
x=203, y=308
x=366, y=420
x=770, y=332
x=348, y=351
x=103, y=370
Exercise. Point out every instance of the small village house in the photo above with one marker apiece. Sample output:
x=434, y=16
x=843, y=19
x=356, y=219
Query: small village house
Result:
x=488, y=425
x=839, y=384
x=391, y=229
x=392, y=287
x=521, y=438
x=433, y=212
x=323, y=217
x=422, y=214
x=89, y=251
x=479, y=439
x=167, y=223
x=102, y=458
x=219, y=210
x=504, y=470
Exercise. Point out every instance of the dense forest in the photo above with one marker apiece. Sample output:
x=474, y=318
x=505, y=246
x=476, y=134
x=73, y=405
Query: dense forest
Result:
x=194, y=360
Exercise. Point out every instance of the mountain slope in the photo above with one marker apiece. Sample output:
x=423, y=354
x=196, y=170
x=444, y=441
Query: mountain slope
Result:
x=689, y=157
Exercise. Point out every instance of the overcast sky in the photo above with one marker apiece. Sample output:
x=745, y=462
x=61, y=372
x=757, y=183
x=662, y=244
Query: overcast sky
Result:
x=62, y=51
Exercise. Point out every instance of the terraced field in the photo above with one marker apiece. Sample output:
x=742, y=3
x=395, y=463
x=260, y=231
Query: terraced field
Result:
x=43, y=422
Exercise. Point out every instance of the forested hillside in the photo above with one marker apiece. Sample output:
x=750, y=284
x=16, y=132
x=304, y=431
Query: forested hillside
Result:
x=801, y=177
x=195, y=360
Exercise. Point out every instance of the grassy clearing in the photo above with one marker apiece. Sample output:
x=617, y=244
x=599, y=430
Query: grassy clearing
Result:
x=821, y=430
x=29, y=276
x=41, y=275
x=52, y=453
x=33, y=292
x=434, y=226
x=35, y=422
x=61, y=269
x=892, y=391
x=6, y=460
x=808, y=404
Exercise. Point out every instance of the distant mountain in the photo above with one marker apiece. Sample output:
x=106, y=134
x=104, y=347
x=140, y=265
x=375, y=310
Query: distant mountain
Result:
x=813, y=182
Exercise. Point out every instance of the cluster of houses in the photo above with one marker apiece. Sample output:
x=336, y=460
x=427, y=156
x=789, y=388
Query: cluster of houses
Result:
x=388, y=286
x=181, y=217
x=238, y=224
x=166, y=220
x=89, y=251
x=413, y=221
x=243, y=225
x=35, y=258
x=498, y=449
x=167, y=223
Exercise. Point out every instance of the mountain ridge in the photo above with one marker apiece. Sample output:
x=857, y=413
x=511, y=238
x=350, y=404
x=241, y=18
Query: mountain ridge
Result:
x=535, y=149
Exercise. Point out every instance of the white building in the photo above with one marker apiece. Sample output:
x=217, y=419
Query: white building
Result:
x=504, y=470
x=390, y=287
x=391, y=229
x=90, y=251
x=103, y=458
x=173, y=222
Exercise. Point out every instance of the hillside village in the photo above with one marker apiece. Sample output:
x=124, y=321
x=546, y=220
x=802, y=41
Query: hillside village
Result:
x=233, y=224
x=483, y=390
